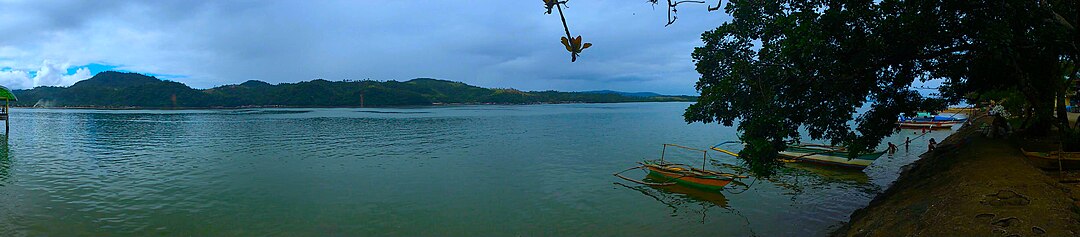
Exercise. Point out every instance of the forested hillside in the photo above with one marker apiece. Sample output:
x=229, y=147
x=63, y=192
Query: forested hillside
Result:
x=122, y=89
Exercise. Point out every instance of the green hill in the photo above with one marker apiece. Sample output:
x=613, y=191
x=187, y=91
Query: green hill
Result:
x=121, y=89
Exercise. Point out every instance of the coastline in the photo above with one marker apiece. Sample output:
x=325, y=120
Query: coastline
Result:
x=325, y=107
x=970, y=186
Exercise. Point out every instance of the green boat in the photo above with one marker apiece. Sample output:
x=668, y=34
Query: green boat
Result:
x=828, y=155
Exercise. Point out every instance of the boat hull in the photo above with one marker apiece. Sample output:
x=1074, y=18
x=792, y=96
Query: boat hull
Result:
x=827, y=157
x=930, y=125
x=1049, y=161
x=697, y=181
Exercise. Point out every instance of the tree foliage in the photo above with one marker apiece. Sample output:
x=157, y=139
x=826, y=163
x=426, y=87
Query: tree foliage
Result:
x=781, y=67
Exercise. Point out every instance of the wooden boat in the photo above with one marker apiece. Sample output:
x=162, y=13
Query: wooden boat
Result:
x=672, y=173
x=688, y=176
x=960, y=110
x=928, y=125
x=827, y=155
x=925, y=120
x=1053, y=160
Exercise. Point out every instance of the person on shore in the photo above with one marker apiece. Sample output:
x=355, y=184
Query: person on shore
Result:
x=932, y=144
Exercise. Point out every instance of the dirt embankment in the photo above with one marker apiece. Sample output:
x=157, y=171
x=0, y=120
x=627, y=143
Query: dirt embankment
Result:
x=970, y=186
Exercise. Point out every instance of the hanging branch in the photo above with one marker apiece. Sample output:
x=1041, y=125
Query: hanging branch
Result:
x=673, y=12
x=572, y=44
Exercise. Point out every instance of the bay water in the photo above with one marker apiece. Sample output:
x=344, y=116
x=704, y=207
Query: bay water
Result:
x=488, y=170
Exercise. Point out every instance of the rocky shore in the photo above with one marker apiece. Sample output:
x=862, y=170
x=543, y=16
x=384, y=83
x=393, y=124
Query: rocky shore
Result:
x=970, y=186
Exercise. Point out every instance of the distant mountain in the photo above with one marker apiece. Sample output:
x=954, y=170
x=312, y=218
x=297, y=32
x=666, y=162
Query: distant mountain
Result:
x=630, y=94
x=121, y=89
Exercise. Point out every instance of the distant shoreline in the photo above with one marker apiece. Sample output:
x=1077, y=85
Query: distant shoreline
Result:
x=119, y=90
x=326, y=107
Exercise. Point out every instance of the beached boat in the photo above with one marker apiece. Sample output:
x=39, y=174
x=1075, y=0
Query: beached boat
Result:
x=960, y=110
x=930, y=121
x=928, y=124
x=667, y=173
x=828, y=155
x=928, y=117
x=1053, y=160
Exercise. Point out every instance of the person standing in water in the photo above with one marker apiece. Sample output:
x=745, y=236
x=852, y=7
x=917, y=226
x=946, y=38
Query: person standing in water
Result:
x=932, y=144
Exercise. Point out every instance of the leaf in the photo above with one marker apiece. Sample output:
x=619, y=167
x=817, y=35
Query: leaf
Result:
x=548, y=4
x=586, y=45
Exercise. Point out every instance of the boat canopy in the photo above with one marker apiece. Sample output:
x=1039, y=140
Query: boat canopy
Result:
x=5, y=94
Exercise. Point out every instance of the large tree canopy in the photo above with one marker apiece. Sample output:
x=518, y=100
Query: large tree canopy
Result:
x=786, y=66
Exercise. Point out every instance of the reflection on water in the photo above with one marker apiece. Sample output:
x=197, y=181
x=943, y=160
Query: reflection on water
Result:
x=828, y=173
x=797, y=178
x=5, y=160
x=686, y=200
x=263, y=111
x=391, y=112
x=688, y=193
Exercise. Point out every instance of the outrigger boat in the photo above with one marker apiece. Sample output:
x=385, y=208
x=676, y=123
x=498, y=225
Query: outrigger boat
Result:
x=930, y=121
x=928, y=124
x=819, y=154
x=667, y=173
x=829, y=155
x=812, y=154
x=1054, y=159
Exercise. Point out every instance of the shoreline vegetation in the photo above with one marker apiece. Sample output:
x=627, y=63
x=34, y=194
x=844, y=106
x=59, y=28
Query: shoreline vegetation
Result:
x=971, y=185
x=122, y=90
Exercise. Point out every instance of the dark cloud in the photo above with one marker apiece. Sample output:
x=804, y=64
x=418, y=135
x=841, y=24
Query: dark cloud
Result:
x=489, y=43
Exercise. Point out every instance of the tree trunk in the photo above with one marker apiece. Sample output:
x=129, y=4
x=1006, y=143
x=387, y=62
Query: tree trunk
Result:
x=1062, y=114
x=1042, y=119
x=1026, y=115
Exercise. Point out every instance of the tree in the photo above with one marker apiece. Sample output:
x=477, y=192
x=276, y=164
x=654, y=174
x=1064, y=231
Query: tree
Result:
x=782, y=66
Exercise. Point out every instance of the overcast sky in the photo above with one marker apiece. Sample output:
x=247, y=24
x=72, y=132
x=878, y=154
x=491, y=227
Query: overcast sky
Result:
x=489, y=43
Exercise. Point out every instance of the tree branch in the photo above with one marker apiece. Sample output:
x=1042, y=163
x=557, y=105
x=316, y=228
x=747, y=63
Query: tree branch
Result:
x=673, y=12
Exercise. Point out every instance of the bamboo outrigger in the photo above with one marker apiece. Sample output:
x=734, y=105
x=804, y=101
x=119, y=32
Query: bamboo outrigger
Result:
x=673, y=173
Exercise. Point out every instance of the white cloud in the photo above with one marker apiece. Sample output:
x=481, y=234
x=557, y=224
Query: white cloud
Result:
x=16, y=79
x=49, y=74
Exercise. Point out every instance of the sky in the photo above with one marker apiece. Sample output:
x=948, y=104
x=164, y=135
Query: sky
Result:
x=488, y=43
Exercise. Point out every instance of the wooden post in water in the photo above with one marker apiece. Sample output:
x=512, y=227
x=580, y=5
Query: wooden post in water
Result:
x=7, y=108
x=704, y=159
x=662, y=154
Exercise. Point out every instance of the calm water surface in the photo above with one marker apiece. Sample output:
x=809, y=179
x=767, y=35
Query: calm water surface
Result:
x=457, y=170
